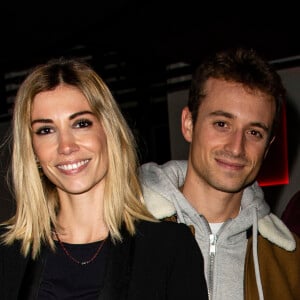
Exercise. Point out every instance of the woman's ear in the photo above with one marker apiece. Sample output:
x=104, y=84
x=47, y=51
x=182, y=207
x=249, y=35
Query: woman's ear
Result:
x=187, y=124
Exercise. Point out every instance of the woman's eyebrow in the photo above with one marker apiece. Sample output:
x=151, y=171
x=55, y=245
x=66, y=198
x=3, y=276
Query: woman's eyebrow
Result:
x=73, y=116
x=41, y=121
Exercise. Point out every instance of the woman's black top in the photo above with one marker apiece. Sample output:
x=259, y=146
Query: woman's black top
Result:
x=65, y=279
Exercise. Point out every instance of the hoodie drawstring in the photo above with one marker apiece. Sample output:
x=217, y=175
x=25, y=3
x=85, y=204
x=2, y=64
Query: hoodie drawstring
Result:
x=255, y=256
x=180, y=218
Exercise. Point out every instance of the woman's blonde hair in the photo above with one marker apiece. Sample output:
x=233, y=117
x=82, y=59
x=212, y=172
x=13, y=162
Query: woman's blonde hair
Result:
x=36, y=198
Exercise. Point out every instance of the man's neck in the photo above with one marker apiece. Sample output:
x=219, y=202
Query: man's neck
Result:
x=216, y=206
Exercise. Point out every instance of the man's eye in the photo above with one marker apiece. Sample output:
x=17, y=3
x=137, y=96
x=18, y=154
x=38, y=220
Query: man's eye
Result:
x=256, y=133
x=83, y=123
x=220, y=124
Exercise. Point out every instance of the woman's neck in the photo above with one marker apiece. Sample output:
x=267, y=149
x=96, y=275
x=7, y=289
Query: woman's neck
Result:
x=81, y=220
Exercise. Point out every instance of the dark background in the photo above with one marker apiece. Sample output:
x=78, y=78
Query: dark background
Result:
x=139, y=48
x=145, y=31
x=132, y=45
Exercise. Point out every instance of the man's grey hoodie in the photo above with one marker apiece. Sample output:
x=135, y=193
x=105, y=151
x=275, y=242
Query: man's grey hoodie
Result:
x=224, y=253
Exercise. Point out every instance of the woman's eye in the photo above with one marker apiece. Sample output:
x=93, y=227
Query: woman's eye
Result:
x=43, y=131
x=83, y=123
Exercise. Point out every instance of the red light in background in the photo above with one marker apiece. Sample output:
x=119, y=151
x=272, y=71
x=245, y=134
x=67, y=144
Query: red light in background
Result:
x=274, y=170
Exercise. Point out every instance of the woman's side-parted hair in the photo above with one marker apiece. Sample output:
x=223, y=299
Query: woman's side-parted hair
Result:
x=36, y=197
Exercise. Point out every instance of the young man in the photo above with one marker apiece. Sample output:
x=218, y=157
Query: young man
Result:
x=230, y=122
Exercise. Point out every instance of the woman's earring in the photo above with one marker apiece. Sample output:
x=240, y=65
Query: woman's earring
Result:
x=38, y=164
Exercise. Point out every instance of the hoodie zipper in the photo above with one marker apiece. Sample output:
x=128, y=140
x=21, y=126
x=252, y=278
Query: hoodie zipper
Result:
x=212, y=254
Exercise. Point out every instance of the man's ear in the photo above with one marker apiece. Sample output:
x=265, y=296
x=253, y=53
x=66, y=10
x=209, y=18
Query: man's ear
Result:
x=187, y=124
x=269, y=145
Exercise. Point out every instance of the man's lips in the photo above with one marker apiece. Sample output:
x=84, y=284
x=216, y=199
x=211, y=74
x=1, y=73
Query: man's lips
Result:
x=230, y=165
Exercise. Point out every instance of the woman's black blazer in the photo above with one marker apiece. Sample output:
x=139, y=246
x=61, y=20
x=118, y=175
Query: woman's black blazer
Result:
x=161, y=262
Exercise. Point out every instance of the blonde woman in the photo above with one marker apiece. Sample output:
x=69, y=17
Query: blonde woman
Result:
x=81, y=230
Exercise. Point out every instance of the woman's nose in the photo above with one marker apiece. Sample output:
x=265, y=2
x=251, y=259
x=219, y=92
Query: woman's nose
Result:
x=67, y=143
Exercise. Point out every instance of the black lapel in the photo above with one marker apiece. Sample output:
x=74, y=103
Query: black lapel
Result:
x=32, y=277
x=118, y=269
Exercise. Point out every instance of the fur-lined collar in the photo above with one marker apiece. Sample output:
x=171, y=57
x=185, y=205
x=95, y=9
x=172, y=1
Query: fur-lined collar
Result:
x=270, y=226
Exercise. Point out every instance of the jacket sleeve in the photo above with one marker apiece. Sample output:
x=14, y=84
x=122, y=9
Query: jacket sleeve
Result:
x=187, y=280
x=279, y=271
x=12, y=266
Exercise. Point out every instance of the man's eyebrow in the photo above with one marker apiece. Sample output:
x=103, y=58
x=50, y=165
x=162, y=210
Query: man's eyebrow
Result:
x=231, y=116
x=260, y=125
x=222, y=113
x=73, y=116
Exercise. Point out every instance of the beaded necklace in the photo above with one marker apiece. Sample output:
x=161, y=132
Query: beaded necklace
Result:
x=69, y=255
